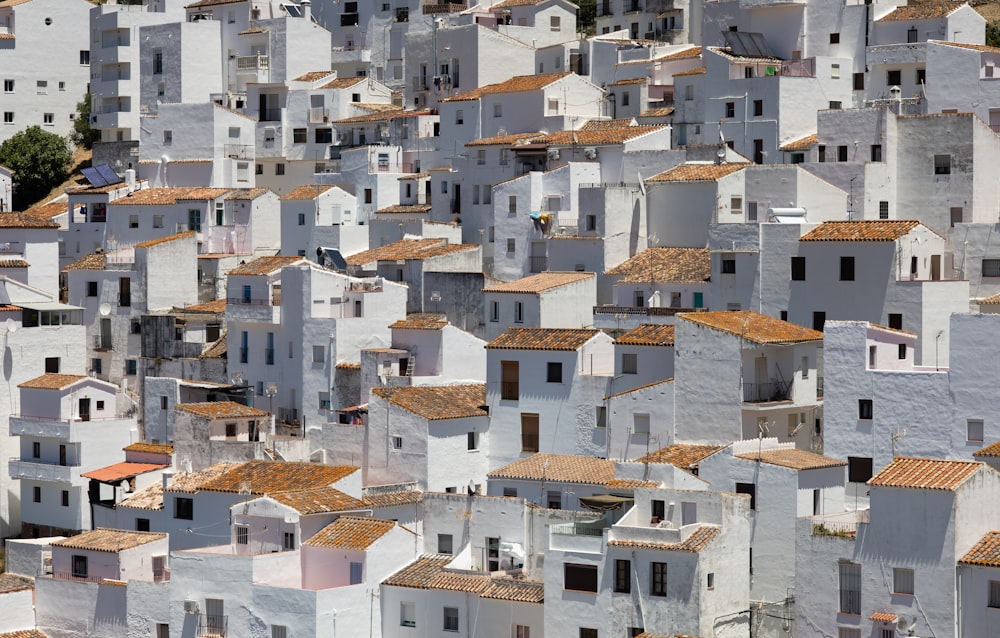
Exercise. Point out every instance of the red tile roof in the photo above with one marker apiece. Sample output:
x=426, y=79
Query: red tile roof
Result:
x=922, y=11
x=863, y=230
x=393, y=499
x=648, y=334
x=152, y=448
x=408, y=249
x=698, y=172
x=421, y=321
x=221, y=410
x=109, y=540
x=312, y=76
x=429, y=572
x=639, y=388
x=793, y=459
x=268, y=477
x=679, y=265
x=801, y=143
x=986, y=552
x=306, y=192
x=926, y=474
x=561, y=468
x=753, y=326
x=50, y=381
x=351, y=532
x=10, y=583
x=516, y=84
x=24, y=220
x=566, y=339
x=14, y=263
x=540, y=282
x=169, y=196
x=438, y=402
x=683, y=455
x=883, y=617
x=163, y=240
x=216, y=306
x=695, y=542
x=120, y=471
x=93, y=261
x=267, y=265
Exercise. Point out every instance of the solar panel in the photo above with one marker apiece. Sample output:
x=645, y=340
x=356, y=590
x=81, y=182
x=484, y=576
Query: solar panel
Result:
x=96, y=179
x=745, y=44
x=335, y=258
x=109, y=175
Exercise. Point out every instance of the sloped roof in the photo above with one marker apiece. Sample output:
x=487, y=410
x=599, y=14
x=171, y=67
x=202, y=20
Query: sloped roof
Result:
x=152, y=448
x=965, y=45
x=438, y=402
x=163, y=240
x=683, y=455
x=566, y=339
x=10, y=583
x=268, y=477
x=793, y=459
x=306, y=191
x=120, y=471
x=421, y=321
x=428, y=572
x=985, y=553
x=48, y=211
x=800, y=144
x=753, y=326
x=169, y=196
x=561, y=468
x=14, y=263
x=405, y=209
x=345, y=83
x=351, y=532
x=216, y=306
x=267, y=265
x=109, y=540
x=51, y=381
x=698, y=172
x=598, y=135
x=516, y=84
x=151, y=498
x=680, y=265
x=25, y=220
x=695, y=542
x=540, y=282
x=861, y=230
x=639, y=388
x=221, y=410
x=508, y=139
x=699, y=71
x=392, y=499
x=648, y=334
x=404, y=249
x=93, y=261
x=926, y=474
x=312, y=76
x=922, y=11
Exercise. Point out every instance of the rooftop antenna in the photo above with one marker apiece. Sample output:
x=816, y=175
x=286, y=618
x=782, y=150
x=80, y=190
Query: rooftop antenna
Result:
x=896, y=435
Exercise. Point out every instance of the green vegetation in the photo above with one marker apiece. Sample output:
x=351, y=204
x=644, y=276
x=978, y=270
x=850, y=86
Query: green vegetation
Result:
x=40, y=161
x=993, y=33
x=84, y=136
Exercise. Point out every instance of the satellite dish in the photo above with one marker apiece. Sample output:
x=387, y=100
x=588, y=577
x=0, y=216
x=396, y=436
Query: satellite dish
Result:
x=905, y=626
x=11, y=325
x=385, y=134
x=104, y=309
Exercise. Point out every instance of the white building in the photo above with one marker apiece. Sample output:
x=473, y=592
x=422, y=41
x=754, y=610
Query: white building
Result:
x=319, y=216
x=30, y=250
x=17, y=594
x=554, y=481
x=218, y=431
x=547, y=300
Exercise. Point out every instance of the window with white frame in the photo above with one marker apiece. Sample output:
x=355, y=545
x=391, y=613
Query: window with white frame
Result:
x=736, y=205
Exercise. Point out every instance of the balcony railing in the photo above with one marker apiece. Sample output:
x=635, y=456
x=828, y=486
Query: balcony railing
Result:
x=766, y=392
x=213, y=625
x=269, y=115
x=318, y=114
x=657, y=311
x=539, y=264
x=102, y=343
x=41, y=471
x=257, y=62
x=83, y=578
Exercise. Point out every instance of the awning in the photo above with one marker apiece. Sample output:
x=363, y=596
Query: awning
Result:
x=120, y=471
x=47, y=305
x=604, y=502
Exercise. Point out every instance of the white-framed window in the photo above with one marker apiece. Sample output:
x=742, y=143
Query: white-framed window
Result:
x=42, y=87
x=835, y=71
x=8, y=86
x=736, y=205
x=48, y=119
x=850, y=587
x=553, y=105
x=555, y=23
x=8, y=117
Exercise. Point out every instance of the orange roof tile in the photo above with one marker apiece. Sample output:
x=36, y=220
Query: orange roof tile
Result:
x=392, y=499
x=438, y=402
x=247, y=194
x=986, y=552
x=163, y=240
x=407, y=249
x=642, y=80
x=313, y=76
x=927, y=474
x=862, y=230
x=109, y=540
x=318, y=500
x=566, y=339
x=648, y=334
x=120, y=471
x=216, y=306
x=680, y=265
x=268, y=477
x=753, y=326
x=509, y=139
x=48, y=211
x=169, y=196
x=630, y=484
x=10, y=583
x=24, y=220
x=561, y=468
x=210, y=3
x=24, y=633
x=683, y=455
x=699, y=71
x=52, y=381
x=990, y=301
x=540, y=282
x=882, y=616
x=965, y=45
x=419, y=573
x=221, y=410
x=800, y=144
x=152, y=448
x=380, y=116
x=596, y=136
x=421, y=321
x=14, y=263
x=151, y=498
x=662, y=111
x=93, y=261
x=351, y=532
x=515, y=3
x=306, y=191
x=691, y=52
x=516, y=84
x=793, y=459
x=695, y=542
x=405, y=209
x=344, y=83
x=267, y=265
x=430, y=572
x=922, y=11
x=639, y=388
x=698, y=172
x=217, y=350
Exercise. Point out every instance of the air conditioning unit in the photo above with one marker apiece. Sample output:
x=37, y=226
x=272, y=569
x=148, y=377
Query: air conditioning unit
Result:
x=590, y=153
x=553, y=153
x=191, y=607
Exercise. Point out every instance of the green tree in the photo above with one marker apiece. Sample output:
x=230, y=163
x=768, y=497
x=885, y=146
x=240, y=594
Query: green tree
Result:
x=993, y=33
x=40, y=162
x=84, y=136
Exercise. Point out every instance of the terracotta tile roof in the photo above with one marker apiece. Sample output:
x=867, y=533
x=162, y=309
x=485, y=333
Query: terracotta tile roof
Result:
x=419, y=573
x=510, y=139
x=312, y=76
x=515, y=3
x=922, y=11
x=24, y=220
x=630, y=484
x=516, y=84
x=221, y=410
x=699, y=71
x=540, y=282
x=753, y=326
x=404, y=249
x=882, y=616
x=14, y=263
x=965, y=45
x=120, y=471
x=642, y=80
x=863, y=230
x=343, y=83
x=163, y=240
x=405, y=209
x=267, y=265
x=152, y=448
x=349, y=365
x=639, y=388
x=566, y=339
x=7, y=36
x=379, y=116
x=210, y=3
x=648, y=334
x=698, y=172
x=306, y=191
x=247, y=194
x=560, y=468
x=663, y=111
x=351, y=532
x=93, y=261
x=597, y=136
x=268, y=477
x=216, y=306
x=169, y=196
x=217, y=350
x=421, y=321
x=926, y=474
x=52, y=381
x=48, y=211
x=800, y=144
x=520, y=591
x=253, y=31
x=413, y=176
x=990, y=451
x=24, y=633
x=317, y=500
x=109, y=540
x=428, y=572
x=151, y=498
x=986, y=552
x=990, y=301
x=9, y=583
x=683, y=455
x=392, y=499
x=438, y=402
x=691, y=52
x=680, y=265
x=793, y=459
x=697, y=541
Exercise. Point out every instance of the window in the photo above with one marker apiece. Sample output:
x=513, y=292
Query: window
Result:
x=8, y=117
x=847, y=268
x=835, y=105
x=300, y=135
x=397, y=443
x=859, y=81
x=529, y=433
x=48, y=118
x=942, y=164
x=623, y=576
x=472, y=441
x=494, y=311
x=876, y=152
x=323, y=136
x=553, y=373
x=994, y=597
x=279, y=169
x=324, y=400
x=444, y=544
x=991, y=268
x=658, y=586
x=601, y=419
x=902, y=581
x=630, y=363
x=553, y=499
x=133, y=221
x=194, y=220
x=554, y=23
x=728, y=264
x=281, y=631
x=512, y=207
x=258, y=169
x=481, y=157
x=859, y=469
x=865, y=409
x=798, y=268
x=162, y=630
x=957, y=215
x=459, y=116
x=36, y=494
x=710, y=581
x=65, y=498
x=835, y=71
x=821, y=153
x=319, y=354
x=509, y=380
x=893, y=78
x=79, y=566
x=52, y=365
x=288, y=541
x=842, y=153
x=520, y=631
x=588, y=633
x=510, y=492
x=497, y=110
x=36, y=450
x=736, y=205
x=848, y=632
x=640, y=424
x=242, y=535
x=42, y=87
x=518, y=312
x=451, y=618
x=750, y=489
x=974, y=430
x=183, y=508
x=580, y=577
x=901, y=351
x=883, y=210
x=896, y=321
x=850, y=588
x=590, y=222
x=142, y=524
x=407, y=615
x=91, y=288
x=730, y=109
x=758, y=108
x=168, y=137
x=8, y=86
x=834, y=38
x=553, y=106
x=475, y=192
x=625, y=98
x=368, y=195
x=657, y=509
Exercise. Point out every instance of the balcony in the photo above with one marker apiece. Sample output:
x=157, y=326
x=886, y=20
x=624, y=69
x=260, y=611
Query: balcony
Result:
x=538, y=263
x=318, y=115
x=34, y=471
x=254, y=63
x=766, y=392
x=102, y=343
x=842, y=524
x=796, y=69
x=269, y=115
x=239, y=151
x=49, y=428
x=212, y=625
x=583, y=537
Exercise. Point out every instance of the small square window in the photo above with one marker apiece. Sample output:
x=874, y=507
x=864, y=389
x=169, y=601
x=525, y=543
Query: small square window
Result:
x=472, y=441
x=397, y=443
x=847, y=268
x=48, y=118
x=630, y=363
x=865, y=409
x=451, y=619
x=974, y=430
x=444, y=544
x=902, y=581
x=554, y=372
x=942, y=164
x=300, y=136
x=279, y=169
x=834, y=38
x=894, y=78
x=728, y=264
x=8, y=117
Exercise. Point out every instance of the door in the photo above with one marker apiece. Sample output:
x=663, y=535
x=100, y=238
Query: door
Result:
x=760, y=370
x=935, y=267
x=699, y=300
x=105, y=333
x=215, y=619
x=84, y=409
x=492, y=554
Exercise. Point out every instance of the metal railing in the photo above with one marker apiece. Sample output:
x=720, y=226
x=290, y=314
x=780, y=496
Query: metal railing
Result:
x=656, y=311
x=213, y=625
x=538, y=264
x=102, y=343
x=269, y=115
x=579, y=529
x=764, y=392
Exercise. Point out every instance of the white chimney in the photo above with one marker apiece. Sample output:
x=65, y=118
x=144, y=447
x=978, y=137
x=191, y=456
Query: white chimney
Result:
x=167, y=476
x=306, y=9
x=130, y=179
